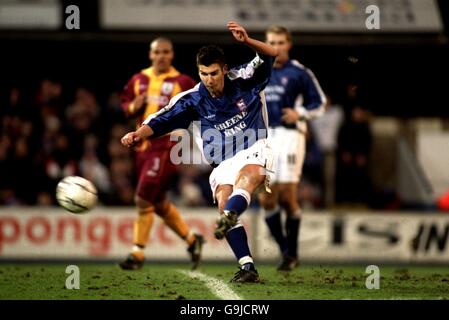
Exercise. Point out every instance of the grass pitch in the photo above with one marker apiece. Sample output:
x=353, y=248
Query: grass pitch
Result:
x=169, y=282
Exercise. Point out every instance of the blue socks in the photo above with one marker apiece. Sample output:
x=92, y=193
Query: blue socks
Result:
x=287, y=244
x=238, y=201
x=292, y=226
x=273, y=220
x=238, y=241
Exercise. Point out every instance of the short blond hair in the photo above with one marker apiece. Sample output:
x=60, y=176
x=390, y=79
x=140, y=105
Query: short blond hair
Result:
x=277, y=29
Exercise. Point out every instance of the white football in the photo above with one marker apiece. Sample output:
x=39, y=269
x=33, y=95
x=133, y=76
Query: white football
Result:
x=76, y=194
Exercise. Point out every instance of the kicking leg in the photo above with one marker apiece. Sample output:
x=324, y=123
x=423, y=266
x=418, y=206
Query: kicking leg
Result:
x=231, y=205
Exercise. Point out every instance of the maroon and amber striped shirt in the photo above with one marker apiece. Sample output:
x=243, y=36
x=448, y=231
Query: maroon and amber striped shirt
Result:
x=159, y=89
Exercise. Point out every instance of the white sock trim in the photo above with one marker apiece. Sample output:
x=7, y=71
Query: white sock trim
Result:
x=245, y=259
x=242, y=192
x=136, y=248
x=189, y=234
x=238, y=225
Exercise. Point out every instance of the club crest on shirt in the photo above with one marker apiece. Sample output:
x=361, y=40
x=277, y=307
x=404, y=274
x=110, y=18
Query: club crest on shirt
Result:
x=284, y=81
x=241, y=104
x=167, y=88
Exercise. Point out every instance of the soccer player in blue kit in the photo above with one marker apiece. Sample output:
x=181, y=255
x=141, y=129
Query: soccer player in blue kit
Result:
x=229, y=106
x=293, y=97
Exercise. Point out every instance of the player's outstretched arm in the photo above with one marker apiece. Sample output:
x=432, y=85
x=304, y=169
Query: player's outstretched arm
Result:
x=132, y=138
x=241, y=35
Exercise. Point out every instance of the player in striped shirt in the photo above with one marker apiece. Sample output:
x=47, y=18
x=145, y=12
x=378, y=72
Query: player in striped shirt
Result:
x=146, y=93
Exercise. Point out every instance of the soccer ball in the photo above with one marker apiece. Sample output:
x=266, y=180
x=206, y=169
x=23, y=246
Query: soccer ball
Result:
x=76, y=194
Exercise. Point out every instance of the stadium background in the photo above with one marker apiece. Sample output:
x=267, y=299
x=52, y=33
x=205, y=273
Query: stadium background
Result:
x=59, y=114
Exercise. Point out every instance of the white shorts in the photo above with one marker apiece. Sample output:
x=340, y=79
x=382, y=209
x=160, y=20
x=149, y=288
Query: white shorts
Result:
x=289, y=148
x=226, y=173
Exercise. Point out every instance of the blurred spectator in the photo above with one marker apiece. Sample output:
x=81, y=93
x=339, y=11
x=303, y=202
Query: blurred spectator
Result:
x=354, y=146
x=325, y=129
x=58, y=164
x=92, y=169
x=50, y=95
x=121, y=168
x=16, y=106
x=17, y=146
x=49, y=100
x=114, y=112
x=84, y=111
x=22, y=158
x=83, y=117
x=7, y=169
x=51, y=130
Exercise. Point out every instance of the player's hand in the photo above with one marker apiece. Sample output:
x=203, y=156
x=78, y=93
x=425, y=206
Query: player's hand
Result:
x=238, y=31
x=130, y=139
x=290, y=116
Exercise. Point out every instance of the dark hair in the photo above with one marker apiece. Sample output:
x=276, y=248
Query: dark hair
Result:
x=210, y=54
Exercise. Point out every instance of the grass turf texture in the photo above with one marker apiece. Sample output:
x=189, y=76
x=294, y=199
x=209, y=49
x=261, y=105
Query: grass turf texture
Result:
x=166, y=282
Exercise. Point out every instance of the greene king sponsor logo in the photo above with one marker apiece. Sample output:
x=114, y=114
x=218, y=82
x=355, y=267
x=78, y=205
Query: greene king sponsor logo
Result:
x=224, y=141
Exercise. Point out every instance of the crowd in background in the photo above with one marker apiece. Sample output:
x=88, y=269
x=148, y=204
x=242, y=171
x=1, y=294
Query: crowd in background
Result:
x=48, y=133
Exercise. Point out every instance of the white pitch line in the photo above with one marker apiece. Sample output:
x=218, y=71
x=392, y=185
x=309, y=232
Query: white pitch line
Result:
x=218, y=287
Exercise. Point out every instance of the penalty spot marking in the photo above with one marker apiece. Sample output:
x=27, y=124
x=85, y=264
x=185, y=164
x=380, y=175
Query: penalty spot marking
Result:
x=218, y=287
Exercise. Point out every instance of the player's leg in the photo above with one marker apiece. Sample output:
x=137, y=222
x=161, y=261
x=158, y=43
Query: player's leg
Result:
x=161, y=182
x=145, y=209
x=288, y=201
x=279, y=140
x=222, y=194
x=174, y=220
x=290, y=158
x=141, y=230
x=237, y=238
x=272, y=214
x=248, y=179
x=155, y=174
x=246, y=171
